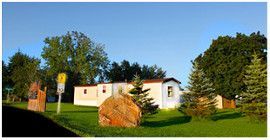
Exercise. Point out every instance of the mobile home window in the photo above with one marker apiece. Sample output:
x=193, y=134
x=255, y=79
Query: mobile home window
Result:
x=85, y=91
x=170, y=91
x=104, y=89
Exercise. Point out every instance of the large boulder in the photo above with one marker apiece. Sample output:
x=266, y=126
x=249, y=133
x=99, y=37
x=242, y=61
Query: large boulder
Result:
x=119, y=110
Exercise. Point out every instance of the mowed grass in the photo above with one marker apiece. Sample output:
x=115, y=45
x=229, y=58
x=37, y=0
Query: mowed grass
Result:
x=167, y=123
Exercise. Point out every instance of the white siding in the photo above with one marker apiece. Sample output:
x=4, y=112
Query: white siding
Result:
x=219, y=102
x=85, y=102
x=117, y=86
x=158, y=91
x=103, y=96
x=88, y=99
x=174, y=101
x=154, y=92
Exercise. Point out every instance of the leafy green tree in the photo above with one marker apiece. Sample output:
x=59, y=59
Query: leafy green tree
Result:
x=24, y=71
x=78, y=56
x=48, y=81
x=199, y=102
x=224, y=62
x=254, y=98
x=141, y=97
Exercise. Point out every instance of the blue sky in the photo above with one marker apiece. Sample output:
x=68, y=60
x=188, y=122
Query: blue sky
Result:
x=167, y=34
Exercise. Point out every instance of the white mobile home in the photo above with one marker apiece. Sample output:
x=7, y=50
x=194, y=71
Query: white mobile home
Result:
x=165, y=92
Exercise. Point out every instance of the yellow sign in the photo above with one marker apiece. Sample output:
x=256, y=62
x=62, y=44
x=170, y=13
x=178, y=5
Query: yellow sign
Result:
x=61, y=78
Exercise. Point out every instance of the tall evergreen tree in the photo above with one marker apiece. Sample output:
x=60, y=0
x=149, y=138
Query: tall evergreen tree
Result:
x=200, y=101
x=24, y=70
x=124, y=71
x=115, y=72
x=127, y=75
x=254, y=98
x=141, y=97
x=6, y=80
x=7, y=83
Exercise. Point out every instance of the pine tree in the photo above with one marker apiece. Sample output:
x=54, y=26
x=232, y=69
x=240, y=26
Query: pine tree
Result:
x=24, y=70
x=199, y=102
x=254, y=98
x=141, y=97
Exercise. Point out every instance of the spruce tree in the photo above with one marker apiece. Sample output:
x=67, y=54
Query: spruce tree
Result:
x=141, y=97
x=254, y=98
x=199, y=102
x=23, y=71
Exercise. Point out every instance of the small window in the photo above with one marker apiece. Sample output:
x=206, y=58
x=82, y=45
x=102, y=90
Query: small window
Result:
x=104, y=89
x=170, y=91
x=85, y=91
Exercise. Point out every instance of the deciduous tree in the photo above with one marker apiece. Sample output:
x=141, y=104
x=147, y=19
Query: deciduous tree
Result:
x=224, y=62
x=78, y=56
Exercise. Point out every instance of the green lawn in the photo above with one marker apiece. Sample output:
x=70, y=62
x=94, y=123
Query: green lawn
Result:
x=169, y=123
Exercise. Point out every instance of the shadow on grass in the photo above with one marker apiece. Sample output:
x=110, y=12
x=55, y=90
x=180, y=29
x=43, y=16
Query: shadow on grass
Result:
x=24, y=123
x=168, y=122
x=221, y=112
x=223, y=116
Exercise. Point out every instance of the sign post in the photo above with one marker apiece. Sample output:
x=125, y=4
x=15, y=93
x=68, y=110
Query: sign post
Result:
x=61, y=79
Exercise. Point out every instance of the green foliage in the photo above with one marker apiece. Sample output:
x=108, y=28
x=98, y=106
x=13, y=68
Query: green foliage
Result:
x=199, y=102
x=24, y=71
x=224, y=62
x=78, y=56
x=84, y=121
x=254, y=98
x=125, y=71
x=48, y=81
x=152, y=72
x=6, y=79
x=5, y=74
x=141, y=97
